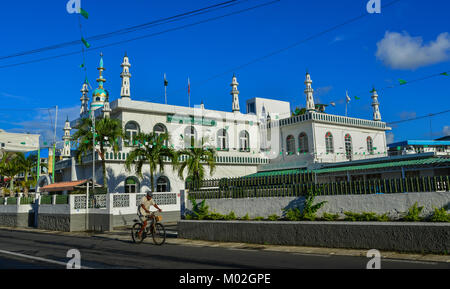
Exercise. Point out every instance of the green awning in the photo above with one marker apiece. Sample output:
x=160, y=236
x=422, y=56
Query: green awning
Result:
x=428, y=161
x=275, y=173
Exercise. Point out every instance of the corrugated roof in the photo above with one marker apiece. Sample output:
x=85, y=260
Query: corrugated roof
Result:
x=275, y=173
x=63, y=186
x=428, y=161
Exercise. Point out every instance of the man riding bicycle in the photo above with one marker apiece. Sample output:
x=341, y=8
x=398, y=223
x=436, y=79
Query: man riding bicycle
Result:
x=144, y=210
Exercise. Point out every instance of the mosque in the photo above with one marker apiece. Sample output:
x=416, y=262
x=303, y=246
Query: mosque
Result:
x=268, y=137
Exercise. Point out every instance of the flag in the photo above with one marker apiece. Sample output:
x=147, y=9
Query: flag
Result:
x=347, y=97
x=333, y=103
x=189, y=86
x=444, y=73
x=84, y=13
x=85, y=42
x=82, y=65
x=166, y=83
x=402, y=81
x=357, y=98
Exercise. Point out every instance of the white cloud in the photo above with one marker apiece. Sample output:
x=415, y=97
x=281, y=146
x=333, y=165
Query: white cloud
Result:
x=401, y=51
x=446, y=130
x=389, y=137
x=408, y=114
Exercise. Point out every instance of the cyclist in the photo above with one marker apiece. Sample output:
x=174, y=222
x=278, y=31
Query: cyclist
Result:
x=144, y=210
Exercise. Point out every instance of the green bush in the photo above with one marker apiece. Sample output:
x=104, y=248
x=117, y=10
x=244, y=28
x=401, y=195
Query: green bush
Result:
x=231, y=216
x=383, y=218
x=413, y=214
x=309, y=209
x=274, y=217
x=199, y=210
x=440, y=215
x=360, y=217
x=245, y=218
x=330, y=217
x=259, y=219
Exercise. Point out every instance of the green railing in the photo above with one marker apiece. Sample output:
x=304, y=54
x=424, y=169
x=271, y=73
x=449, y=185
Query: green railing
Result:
x=46, y=200
x=27, y=200
x=62, y=199
x=11, y=201
x=248, y=188
x=2, y=201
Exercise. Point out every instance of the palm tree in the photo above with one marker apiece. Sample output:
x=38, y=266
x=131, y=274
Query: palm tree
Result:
x=26, y=165
x=152, y=150
x=107, y=133
x=196, y=158
x=9, y=167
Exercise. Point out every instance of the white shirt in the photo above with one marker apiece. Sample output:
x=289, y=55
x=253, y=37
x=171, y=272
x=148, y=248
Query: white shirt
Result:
x=147, y=203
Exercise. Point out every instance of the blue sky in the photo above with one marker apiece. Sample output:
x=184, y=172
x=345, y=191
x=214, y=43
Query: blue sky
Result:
x=408, y=40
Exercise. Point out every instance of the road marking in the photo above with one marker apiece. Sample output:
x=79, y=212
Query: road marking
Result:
x=37, y=258
x=409, y=261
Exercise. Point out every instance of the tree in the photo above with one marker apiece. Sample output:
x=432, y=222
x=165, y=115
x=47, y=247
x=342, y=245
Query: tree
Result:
x=196, y=158
x=107, y=133
x=9, y=167
x=152, y=149
x=26, y=165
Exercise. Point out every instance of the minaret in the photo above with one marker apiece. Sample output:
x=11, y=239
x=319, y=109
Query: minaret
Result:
x=309, y=93
x=376, y=106
x=125, y=75
x=100, y=94
x=235, y=94
x=67, y=138
x=84, y=98
x=106, y=108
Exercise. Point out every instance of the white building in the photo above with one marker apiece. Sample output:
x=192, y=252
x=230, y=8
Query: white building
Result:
x=267, y=137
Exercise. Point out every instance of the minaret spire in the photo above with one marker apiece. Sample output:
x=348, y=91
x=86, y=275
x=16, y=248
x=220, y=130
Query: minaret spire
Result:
x=309, y=93
x=84, y=98
x=125, y=75
x=67, y=139
x=235, y=94
x=375, y=105
x=100, y=94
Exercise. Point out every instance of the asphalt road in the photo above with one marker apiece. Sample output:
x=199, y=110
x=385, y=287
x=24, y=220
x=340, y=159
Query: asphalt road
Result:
x=98, y=252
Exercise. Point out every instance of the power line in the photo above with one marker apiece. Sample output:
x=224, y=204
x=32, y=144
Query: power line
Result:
x=419, y=117
x=147, y=35
x=132, y=28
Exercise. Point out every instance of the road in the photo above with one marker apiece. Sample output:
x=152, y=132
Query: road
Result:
x=100, y=252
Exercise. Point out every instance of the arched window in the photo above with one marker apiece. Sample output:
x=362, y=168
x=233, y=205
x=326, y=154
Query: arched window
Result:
x=244, y=141
x=329, y=143
x=290, y=145
x=163, y=184
x=303, y=143
x=348, y=147
x=159, y=129
x=131, y=130
x=222, y=139
x=370, y=145
x=131, y=185
x=190, y=135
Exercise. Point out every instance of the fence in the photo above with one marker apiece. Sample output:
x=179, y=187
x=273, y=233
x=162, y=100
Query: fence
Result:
x=300, y=184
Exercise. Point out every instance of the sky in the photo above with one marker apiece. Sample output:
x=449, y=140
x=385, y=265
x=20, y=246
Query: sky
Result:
x=408, y=40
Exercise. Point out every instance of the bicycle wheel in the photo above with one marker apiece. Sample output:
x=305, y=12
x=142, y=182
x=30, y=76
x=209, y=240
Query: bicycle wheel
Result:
x=134, y=233
x=159, y=234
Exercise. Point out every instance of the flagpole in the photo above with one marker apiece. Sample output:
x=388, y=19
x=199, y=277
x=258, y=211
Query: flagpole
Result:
x=189, y=92
x=165, y=88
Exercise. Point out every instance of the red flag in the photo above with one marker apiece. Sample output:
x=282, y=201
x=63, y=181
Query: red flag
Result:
x=189, y=86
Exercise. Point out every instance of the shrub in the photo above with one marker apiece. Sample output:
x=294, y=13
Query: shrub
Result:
x=330, y=217
x=273, y=217
x=293, y=214
x=231, y=216
x=440, y=215
x=259, y=219
x=383, y=218
x=309, y=210
x=413, y=214
x=199, y=210
x=245, y=218
x=364, y=216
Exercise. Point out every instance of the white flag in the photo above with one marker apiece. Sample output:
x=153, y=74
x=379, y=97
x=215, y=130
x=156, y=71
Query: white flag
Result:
x=348, y=97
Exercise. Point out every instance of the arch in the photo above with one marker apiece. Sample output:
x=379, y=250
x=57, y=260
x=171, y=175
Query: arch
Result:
x=329, y=143
x=244, y=141
x=348, y=147
x=132, y=129
x=132, y=185
x=290, y=144
x=222, y=139
x=303, y=143
x=190, y=135
x=369, y=141
x=159, y=128
x=163, y=184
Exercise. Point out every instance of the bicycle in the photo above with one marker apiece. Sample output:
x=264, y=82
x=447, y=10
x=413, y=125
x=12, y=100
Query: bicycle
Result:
x=154, y=227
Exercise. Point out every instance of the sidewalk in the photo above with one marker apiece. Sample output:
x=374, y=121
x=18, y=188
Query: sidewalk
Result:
x=123, y=234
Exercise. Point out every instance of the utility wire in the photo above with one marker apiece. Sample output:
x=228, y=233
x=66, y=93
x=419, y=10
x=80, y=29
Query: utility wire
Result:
x=132, y=28
x=147, y=35
x=419, y=117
